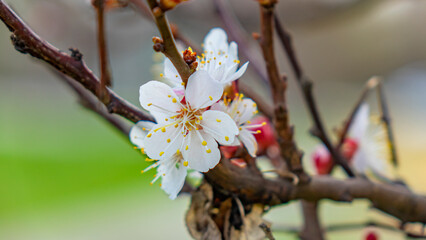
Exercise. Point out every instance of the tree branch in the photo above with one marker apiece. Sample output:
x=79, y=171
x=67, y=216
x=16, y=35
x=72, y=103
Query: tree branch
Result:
x=404, y=204
x=289, y=150
x=385, y=117
x=27, y=42
x=306, y=85
x=169, y=46
x=311, y=222
x=102, y=46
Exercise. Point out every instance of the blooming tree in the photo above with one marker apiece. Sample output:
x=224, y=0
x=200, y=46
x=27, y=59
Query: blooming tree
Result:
x=197, y=117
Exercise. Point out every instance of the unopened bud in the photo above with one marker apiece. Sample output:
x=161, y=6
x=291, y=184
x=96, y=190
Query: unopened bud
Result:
x=158, y=44
x=169, y=4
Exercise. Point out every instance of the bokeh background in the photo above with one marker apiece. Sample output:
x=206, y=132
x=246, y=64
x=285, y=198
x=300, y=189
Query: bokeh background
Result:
x=66, y=174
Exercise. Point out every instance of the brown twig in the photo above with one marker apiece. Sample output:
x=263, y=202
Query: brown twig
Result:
x=311, y=222
x=306, y=85
x=385, y=117
x=27, y=42
x=99, y=6
x=289, y=150
x=168, y=43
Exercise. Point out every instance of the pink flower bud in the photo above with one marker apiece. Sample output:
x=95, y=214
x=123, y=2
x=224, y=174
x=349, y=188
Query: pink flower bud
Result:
x=349, y=148
x=266, y=137
x=322, y=160
x=371, y=235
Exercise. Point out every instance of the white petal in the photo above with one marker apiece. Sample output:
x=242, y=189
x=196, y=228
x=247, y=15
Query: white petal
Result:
x=249, y=141
x=247, y=109
x=199, y=157
x=216, y=40
x=163, y=145
x=360, y=123
x=156, y=96
x=237, y=74
x=139, y=131
x=220, y=126
x=219, y=106
x=173, y=177
x=202, y=91
x=233, y=51
x=171, y=73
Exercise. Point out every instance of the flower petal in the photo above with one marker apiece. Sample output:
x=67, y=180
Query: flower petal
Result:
x=156, y=96
x=163, y=141
x=360, y=123
x=219, y=106
x=237, y=74
x=200, y=157
x=173, y=176
x=139, y=131
x=220, y=126
x=248, y=141
x=171, y=73
x=202, y=91
x=216, y=40
x=242, y=110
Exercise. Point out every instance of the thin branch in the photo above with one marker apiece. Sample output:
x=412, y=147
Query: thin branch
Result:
x=168, y=43
x=385, y=117
x=27, y=42
x=371, y=83
x=306, y=85
x=311, y=225
x=99, y=6
x=289, y=150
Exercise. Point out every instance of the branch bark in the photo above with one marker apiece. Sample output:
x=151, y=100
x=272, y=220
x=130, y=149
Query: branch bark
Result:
x=311, y=222
x=404, y=204
x=289, y=150
x=27, y=42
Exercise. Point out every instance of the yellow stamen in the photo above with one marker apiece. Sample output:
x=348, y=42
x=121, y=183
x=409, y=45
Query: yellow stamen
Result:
x=174, y=100
x=161, y=75
x=211, y=98
x=258, y=131
x=163, y=129
x=226, y=138
x=218, y=120
x=149, y=104
x=208, y=151
x=204, y=143
x=177, y=151
x=186, y=148
x=168, y=140
x=248, y=122
x=185, y=163
x=161, y=154
x=149, y=135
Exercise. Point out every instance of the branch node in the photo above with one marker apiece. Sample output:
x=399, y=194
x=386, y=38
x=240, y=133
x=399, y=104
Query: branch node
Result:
x=158, y=44
x=76, y=54
x=18, y=44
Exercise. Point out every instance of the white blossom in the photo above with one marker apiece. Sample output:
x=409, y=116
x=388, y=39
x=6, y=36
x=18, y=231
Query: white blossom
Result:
x=187, y=127
x=371, y=151
x=220, y=60
x=171, y=170
x=242, y=111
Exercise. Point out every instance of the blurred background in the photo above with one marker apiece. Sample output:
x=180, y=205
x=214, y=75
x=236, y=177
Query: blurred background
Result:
x=66, y=174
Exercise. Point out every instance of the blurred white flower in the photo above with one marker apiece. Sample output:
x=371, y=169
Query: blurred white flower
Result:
x=370, y=138
x=186, y=127
x=219, y=60
x=242, y=111
x=171, y=170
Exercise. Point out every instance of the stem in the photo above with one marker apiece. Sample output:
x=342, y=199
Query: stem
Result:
x=170, y=49
x=387, y=121
x=306, y=84
x=289, y=151
x=311, y=224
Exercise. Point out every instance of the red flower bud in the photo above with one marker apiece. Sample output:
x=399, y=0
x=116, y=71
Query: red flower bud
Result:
x=266, y=137
x=372, y=235
x=322, y=160
x=349, y=148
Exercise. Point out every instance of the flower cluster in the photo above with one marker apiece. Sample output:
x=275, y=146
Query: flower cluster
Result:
x=193, y=120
